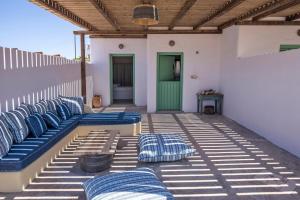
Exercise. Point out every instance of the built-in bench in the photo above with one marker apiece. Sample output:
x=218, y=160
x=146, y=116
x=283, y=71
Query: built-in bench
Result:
x=25, y=160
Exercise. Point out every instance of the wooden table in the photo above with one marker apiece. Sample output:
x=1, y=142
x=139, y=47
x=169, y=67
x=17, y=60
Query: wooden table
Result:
x=97, y=150
x=217, y=98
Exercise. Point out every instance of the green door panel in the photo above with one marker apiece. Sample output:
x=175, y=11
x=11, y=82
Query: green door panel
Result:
x=169, y=95
x=166, y=68
x=169, y=91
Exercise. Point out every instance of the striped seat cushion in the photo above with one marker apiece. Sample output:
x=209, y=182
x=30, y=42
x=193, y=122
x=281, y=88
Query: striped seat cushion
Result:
x=75, y=104
x=25, y=112
x=163, y=147
x=23, y=154
x=51, y=119
x=17, y=125
x=36, y=125
x=64, y=111
x=6, y=139
x=53, y=103
x=138, y=184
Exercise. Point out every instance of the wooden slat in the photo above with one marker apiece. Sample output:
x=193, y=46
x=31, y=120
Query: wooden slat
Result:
x=293, y=17
x=143, y=32
x=61, y=11
x=253, y=12
x=270, y=23
x=276, y=10
x=118, y=36
x=105, y=12
x=185, y=8
x=83, y=67
x=229, y=5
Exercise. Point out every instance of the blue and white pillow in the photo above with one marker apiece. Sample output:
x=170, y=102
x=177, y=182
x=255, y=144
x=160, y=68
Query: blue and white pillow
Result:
x=53, y=103
x=17, y=125
x=51, y=119
x=6, y=139
x=163, y=147
x=41, y=108
x=36, y=125
x=24, y=110
x=64, y=111
x=75, y=104
x=138, y=184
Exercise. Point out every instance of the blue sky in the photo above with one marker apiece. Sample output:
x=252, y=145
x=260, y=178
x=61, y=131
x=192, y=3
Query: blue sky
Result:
x=25, y=26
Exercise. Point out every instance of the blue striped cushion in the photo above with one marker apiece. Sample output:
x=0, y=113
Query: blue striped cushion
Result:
x=36, y=125
x=52, y=119
x=63, y=111
x=24, y=110
x=52, y=104
x=17, y=125
x=6, y=139
x=41, y=108
x=163, y=147
x=75, y=104
x=139, y=184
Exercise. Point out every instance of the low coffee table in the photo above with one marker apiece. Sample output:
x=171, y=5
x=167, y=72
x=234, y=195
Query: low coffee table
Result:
x=96, y=151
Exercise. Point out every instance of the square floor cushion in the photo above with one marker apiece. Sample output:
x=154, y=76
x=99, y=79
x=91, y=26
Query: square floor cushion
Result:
x=138, y=184
x=163, y=147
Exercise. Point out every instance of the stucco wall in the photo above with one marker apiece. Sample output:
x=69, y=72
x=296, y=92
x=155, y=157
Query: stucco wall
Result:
x=260, y=40
x=262, y=92
x=101, y=49
x=206, y=65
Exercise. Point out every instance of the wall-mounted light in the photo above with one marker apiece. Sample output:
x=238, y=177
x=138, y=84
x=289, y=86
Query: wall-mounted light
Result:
x=298, y=32
x=121, y=46
x=171, y=43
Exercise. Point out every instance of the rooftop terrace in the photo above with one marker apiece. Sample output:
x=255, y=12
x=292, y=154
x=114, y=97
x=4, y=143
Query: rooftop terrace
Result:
x=231, y=162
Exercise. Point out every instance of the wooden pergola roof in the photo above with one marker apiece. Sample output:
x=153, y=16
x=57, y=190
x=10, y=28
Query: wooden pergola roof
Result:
x=113, y=18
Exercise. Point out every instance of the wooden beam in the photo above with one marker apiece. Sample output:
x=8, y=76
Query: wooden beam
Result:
x=118, y=36
x=61, y=11
x=83, y=67
x=143, y=32
x=229, y=5
x=253, y=12
x=184, y=9
x=276, y=10
x=270, y=23
x=105, y=13
x=293, y=17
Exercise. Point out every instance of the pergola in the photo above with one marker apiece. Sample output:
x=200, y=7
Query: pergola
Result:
x=113, y=18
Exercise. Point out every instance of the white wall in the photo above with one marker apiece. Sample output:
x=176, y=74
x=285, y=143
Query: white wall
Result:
x=259, y=40
x=101, y=48
x=206, y=65
x=262, y=92
x=29, y=77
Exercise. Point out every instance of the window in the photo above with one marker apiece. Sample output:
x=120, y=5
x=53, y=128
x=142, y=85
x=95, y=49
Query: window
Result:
x=287, y=47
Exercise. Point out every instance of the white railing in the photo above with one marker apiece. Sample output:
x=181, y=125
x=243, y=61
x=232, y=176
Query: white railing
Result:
x=29, y=77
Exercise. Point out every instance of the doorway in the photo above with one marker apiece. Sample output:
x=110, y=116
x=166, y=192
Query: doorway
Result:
x=169, y=81
x=122, y=79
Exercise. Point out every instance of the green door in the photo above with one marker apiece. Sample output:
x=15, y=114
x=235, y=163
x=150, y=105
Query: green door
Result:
x=168, y=87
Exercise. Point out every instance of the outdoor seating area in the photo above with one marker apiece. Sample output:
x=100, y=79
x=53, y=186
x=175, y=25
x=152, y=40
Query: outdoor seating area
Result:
x=167, y=99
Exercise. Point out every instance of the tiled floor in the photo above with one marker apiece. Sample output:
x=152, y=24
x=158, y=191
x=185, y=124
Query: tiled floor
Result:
x=231, y=163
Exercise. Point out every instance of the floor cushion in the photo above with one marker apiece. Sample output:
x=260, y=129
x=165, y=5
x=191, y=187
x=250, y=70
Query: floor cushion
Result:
x=75, y=104
x=64, y=111
x=6, y=139
x=36, y=125
x=163, y=147
x=51, y=119
x=110, y=118
x=137, y=184
x=17, y=125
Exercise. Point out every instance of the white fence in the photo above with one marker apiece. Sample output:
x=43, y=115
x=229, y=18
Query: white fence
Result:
x=29, y=77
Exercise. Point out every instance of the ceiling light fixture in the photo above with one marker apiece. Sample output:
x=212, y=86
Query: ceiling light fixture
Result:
x=145, y=15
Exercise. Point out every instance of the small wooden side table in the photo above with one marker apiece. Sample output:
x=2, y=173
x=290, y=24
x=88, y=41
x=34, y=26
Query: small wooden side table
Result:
x=217, y=98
